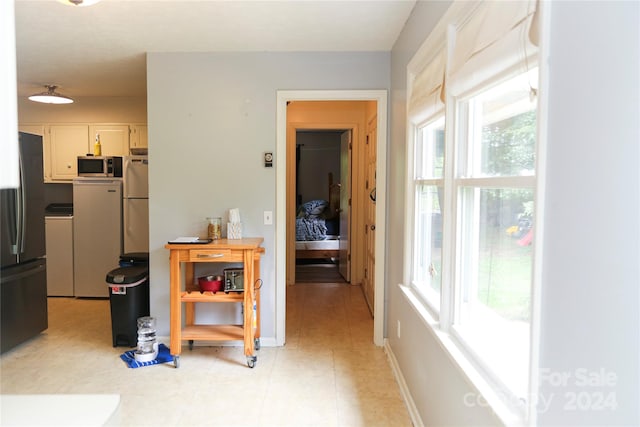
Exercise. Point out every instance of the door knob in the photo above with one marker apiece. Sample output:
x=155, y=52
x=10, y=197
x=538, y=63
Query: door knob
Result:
x=373, y=227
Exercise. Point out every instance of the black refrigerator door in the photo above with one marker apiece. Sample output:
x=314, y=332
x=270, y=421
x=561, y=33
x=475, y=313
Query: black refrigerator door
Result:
x=23, y=302
x=22, y=230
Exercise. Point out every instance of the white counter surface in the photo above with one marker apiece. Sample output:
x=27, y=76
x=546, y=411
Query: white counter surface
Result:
x=59, y=410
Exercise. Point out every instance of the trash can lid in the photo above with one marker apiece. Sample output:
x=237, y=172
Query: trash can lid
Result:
x=135, y=256
x=127, y=275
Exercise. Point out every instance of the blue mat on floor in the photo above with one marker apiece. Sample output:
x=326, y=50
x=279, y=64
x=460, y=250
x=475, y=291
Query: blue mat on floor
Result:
x=163, y=357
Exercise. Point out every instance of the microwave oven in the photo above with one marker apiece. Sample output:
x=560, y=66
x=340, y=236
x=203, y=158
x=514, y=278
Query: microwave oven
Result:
x=105, y=166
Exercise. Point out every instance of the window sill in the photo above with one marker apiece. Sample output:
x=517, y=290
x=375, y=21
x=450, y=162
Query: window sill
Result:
x=509, y=415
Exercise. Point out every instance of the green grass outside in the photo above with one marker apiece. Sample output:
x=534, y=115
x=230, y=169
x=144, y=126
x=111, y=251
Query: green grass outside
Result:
x=504, y=282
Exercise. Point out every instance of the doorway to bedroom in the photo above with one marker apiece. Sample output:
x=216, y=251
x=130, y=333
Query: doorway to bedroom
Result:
x=322, y=173
x=336, y=109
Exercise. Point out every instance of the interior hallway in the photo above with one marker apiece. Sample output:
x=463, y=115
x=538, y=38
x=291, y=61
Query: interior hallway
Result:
x=328, y=374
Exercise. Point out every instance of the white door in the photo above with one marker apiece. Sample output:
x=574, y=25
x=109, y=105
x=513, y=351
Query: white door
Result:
x=136, y=225
x=344, y=253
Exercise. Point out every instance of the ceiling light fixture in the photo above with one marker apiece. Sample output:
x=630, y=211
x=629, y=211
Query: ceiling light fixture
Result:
x=51, y=96
x=78, y=2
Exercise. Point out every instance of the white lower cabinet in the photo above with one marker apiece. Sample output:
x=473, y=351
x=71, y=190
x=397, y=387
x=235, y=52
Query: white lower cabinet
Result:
x=59, y=247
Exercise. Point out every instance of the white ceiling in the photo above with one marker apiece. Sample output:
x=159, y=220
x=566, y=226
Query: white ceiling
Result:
x=100, y=50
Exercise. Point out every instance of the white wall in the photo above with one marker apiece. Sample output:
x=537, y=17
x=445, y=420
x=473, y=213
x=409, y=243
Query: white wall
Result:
x=591, y=278
x=211, y=118
x=8, y=107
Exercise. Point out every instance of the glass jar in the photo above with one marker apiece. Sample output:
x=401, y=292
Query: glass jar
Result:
x=214, y=229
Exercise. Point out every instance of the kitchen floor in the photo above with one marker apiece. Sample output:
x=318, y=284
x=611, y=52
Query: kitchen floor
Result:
x=328, y=374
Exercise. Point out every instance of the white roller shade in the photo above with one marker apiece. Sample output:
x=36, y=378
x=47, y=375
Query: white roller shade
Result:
x=425, y=98
x=492, y=41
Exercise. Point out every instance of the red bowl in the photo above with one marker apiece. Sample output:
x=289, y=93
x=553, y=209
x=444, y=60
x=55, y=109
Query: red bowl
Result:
x=210, y=283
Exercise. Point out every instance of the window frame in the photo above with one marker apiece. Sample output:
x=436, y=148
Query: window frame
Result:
x=414, y=184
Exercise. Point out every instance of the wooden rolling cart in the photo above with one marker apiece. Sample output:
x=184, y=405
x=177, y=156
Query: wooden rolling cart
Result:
x=248, y=251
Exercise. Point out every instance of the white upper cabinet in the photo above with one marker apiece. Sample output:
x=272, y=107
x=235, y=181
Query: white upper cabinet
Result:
x=63, y=143
x=66, y=143
x=113, y=138
x=138, y=136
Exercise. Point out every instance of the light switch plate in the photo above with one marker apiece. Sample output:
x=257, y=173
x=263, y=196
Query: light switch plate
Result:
x=268, y=218
x=268, y=160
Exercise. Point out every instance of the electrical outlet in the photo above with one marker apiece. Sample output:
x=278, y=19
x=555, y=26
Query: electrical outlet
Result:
x=398, y=329
x=268, y=218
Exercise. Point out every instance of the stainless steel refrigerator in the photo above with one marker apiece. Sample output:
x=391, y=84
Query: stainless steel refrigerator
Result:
x=135, y=204
x=23, y=274
x=97, y=233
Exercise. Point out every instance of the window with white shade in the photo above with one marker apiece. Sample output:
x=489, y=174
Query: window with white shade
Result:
x=472, y=120
x=494, y=187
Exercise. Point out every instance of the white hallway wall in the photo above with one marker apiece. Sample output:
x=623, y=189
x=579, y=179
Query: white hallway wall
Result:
x=591, y=263
x=590, y=289
x=211, y=118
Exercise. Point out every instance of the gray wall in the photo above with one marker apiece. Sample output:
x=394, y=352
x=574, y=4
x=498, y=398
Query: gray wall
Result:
x=590, y=275
x=211, y=117
x=319, y=155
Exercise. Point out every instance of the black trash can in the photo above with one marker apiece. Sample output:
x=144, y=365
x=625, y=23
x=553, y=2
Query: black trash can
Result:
x=129, y=297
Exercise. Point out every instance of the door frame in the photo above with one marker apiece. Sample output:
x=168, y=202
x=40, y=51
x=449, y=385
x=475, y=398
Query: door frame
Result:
x=293, y=128
x=282, y=97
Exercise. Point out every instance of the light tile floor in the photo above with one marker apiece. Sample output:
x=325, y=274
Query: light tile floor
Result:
x=328, y=374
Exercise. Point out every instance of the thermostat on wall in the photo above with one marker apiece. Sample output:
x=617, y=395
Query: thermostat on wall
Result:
x=268, y=160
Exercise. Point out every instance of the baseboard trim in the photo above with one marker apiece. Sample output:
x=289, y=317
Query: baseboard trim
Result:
x=404, y=390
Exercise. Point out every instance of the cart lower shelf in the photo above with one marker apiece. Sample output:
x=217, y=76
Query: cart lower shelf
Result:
x=215, y=333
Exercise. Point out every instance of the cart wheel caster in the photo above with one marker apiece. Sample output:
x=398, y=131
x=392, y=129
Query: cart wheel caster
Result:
x=251, y=361
x=256, y=343
x=190, y=344
x=176, y=361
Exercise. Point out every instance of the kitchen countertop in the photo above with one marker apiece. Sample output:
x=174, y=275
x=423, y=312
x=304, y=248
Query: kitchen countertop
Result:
x=60, y=409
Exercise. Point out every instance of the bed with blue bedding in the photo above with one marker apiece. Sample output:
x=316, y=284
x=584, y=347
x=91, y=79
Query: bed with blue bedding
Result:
x=317, y=230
